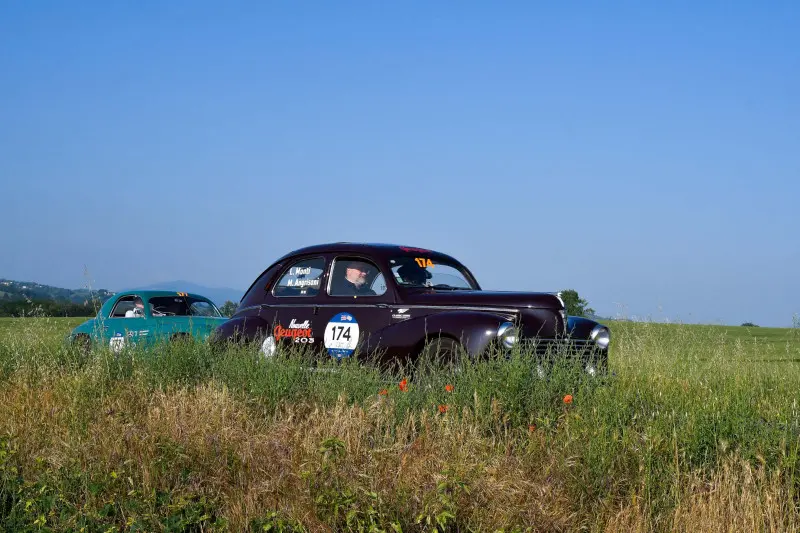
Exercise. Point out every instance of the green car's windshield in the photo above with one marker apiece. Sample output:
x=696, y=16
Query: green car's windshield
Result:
x=182, y=306
x=420, y=271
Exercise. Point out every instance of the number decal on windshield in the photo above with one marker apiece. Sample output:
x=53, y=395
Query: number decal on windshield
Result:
x=424, y=262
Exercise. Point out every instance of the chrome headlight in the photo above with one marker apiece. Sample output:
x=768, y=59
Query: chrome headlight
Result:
x=601, y=336
x=562, y=312
x=508, y=334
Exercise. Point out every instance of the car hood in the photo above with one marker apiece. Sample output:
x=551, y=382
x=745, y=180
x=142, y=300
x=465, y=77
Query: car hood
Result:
x=516, y=300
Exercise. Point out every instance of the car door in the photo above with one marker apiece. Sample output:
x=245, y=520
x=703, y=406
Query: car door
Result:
x=293, y=299
x=356, y=305
x=120, y=330
x=169, y=316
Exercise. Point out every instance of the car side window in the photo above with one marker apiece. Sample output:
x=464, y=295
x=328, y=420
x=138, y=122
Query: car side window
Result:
x=201, y=308
x=378, y=284
x=123, y=305
x=355, y=277
x=301, y=279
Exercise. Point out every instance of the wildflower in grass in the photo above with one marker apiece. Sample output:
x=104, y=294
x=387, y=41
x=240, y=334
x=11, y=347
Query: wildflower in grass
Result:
x=568, y=399
x=443, y=408
x=384, y=392
x=531, y=428
x=448, y=388
x=403, y=385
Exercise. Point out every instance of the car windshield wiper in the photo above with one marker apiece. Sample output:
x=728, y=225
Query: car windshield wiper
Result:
x=446, y=287
x=438, y=286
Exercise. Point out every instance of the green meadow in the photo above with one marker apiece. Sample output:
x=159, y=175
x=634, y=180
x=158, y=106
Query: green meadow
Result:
x=697, y=428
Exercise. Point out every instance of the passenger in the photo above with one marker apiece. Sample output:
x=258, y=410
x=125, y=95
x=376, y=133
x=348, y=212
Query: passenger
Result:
x=413, y=274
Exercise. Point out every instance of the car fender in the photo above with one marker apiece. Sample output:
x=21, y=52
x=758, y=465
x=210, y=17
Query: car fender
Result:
x=579, y=327
x=473, y=329
x=91, y=327
x=240, y=329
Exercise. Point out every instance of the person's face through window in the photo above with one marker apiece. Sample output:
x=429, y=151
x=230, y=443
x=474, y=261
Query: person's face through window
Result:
x=357, y=273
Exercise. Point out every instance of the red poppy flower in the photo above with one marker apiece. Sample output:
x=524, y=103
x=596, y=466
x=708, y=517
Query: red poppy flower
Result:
x=403, y=385
x=448, y=388
x=568, y=399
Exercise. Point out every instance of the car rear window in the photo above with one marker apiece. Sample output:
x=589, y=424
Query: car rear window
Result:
x=301, y=279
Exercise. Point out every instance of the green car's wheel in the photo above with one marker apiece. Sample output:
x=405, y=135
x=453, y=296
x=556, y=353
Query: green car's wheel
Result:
x=82, y=343
x=181, y=337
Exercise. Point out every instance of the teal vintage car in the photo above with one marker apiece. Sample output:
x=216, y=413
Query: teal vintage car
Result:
x=142, y=318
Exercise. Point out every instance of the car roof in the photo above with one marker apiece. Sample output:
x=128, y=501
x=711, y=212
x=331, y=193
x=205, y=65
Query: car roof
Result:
x=384, y=251
x=146, y=294
x=156, y=293
x=365, y=248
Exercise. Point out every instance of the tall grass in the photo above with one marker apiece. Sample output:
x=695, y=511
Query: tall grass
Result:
x=696, y=429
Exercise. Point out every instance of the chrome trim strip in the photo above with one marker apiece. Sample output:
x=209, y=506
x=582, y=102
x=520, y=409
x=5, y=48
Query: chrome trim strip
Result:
x=465, y=308
x=388, y=306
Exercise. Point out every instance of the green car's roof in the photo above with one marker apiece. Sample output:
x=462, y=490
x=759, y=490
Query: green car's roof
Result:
x=152, y=293
x=146, y=295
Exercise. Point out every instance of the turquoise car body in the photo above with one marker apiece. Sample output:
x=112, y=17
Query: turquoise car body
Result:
x=167, y=315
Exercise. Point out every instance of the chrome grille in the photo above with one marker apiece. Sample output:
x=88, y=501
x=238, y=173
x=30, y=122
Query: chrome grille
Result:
x=561, y=347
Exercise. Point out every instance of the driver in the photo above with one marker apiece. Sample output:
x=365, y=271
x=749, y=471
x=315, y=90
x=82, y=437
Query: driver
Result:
x=355, y=279
x=137, y=310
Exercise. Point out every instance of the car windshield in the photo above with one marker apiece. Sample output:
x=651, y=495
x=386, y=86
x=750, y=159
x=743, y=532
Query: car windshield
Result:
x=420, y=271
x=182, y=306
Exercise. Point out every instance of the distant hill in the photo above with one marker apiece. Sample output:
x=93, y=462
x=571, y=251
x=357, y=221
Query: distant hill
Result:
x=12, y=290
x=218, y=295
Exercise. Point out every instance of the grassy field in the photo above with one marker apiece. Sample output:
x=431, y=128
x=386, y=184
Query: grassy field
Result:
x=697, y=430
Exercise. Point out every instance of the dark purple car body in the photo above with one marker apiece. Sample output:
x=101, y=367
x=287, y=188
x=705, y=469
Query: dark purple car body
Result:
x=408, y=297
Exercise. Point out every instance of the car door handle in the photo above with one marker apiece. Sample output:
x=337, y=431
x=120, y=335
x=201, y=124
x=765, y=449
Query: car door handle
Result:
x=382, y=306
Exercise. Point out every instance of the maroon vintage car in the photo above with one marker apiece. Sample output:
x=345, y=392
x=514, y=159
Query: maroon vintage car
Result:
x=400, y=302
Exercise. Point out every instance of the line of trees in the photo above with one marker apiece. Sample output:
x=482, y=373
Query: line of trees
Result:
x=18, y=308
x=576, y=306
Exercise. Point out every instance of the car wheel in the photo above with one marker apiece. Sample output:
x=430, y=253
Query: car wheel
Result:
x=181, y=337
x=440, y=352
x=83, y=344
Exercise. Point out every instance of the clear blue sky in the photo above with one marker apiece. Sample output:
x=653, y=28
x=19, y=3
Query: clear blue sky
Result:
x=645, y=156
